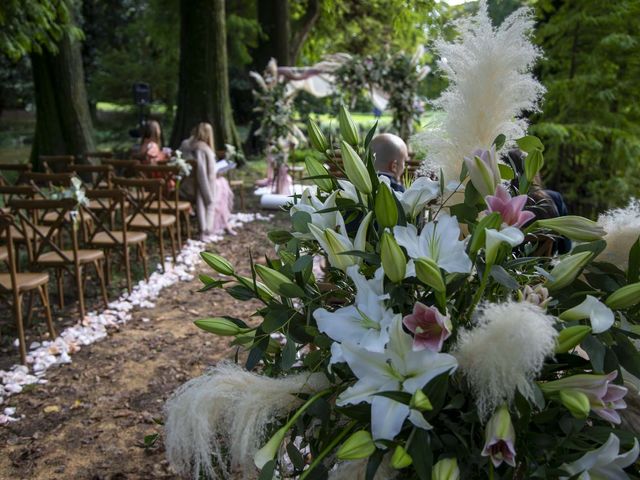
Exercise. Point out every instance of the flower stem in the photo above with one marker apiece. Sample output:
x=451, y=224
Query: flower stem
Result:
x=327, y=450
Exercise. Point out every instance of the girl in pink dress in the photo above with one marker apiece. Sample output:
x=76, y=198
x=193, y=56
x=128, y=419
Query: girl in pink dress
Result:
x=151, y=150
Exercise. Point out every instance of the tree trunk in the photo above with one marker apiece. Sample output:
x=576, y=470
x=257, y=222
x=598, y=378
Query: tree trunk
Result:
x=203, y=91
x=63, y=120
x=275, y=21
x=223, y=125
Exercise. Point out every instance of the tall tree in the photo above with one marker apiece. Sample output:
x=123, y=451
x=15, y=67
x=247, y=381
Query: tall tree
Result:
x=203, y=91
x=591, y=120
x=63, y=121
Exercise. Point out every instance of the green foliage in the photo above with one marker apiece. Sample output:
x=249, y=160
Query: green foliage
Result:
x=591, y=120
x=30, y=26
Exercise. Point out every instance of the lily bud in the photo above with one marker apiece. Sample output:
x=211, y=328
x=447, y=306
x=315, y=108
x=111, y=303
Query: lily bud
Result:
x=218, y=263
x=625, y=297
x=358, y=445
x=316, y=169
x=348, y=128
x=576, y=402
x=571, y=337
x=263, y=292
x=400, y=458
x=568, y=269
x=355, y=169
x=270, y=450
x=483, y=170
x=500, y=438
x=394, y=262
x=446, y=469
x=574, y=227
x=385, y=207
x=220, y=326
x=428, y=272
x=316, y=137
x=278, y=282
x=419, y=401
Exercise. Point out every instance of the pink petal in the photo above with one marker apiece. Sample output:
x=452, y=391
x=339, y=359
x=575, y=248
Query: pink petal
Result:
x=608, y=414
x=524, y=217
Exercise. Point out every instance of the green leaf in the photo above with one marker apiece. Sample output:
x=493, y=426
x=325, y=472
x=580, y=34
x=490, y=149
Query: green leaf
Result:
x=596, y=351
x=279, y=236
x=501, y=276
x=633, y=272
x=295, y=456
x=627, y=354
x=275, y=319
x=596, y=247
x=499, y=141
x=421, y=453
x=267, y=471
x=240, y=292
x=301, y=221
x=373, y=464
x=150, y=440
x=288, y=354
x=370, y=134
x=506, y=172
x=529, y=143
x=258, y=349
x=400, y=397
x=302, y=263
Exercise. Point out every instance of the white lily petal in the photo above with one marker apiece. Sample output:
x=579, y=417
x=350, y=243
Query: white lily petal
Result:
x=421, y=192
x=627, y=459
x=387, y=417
x=600, y=315
x=407, y=237
x=361, y=391
x=439, y=363
x=494, y=238
x=418, y=420
x=372, y=366
x=604, y=455
x=361, y=236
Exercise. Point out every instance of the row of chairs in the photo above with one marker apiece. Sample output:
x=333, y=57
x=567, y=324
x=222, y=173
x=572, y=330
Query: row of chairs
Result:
x=67, y=237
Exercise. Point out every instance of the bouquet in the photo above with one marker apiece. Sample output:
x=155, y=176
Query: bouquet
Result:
x=183, y=166
x=440, y=336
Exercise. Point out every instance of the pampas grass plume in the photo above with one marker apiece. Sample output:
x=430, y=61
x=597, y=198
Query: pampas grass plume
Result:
x=623, y=229
x=490, y=87
x=504, y=352
x=225, y=414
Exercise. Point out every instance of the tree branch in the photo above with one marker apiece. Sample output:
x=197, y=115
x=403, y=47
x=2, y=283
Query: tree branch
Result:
x=302, y=29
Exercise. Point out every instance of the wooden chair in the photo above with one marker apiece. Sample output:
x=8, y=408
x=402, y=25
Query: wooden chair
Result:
x=122, y=168
x=17, y=284
x=46, y=251
x=95, y=158
x=56, y=163
x=12, y=174
x=19, y=192
x=171, y=202
x=144, y=195
x=110, y=240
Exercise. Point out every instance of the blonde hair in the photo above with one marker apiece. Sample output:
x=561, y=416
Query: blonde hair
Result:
x=203, y=132
x=153, y=132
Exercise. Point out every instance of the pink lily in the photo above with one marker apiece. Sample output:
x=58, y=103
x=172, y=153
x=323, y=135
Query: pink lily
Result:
x=605, y=398
x=510, y=208
x=499, y=439
x=429, y=327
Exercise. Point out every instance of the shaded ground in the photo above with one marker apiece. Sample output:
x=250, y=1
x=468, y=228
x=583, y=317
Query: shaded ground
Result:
x=90, y=420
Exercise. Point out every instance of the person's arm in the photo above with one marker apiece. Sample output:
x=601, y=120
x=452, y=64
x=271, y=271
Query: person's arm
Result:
x=205, y=187
x=153, y=152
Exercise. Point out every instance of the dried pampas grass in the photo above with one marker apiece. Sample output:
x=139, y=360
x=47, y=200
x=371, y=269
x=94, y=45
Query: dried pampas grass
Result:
x=490, y=87
x=224, y=414
x=623, y=229
x=505, y=352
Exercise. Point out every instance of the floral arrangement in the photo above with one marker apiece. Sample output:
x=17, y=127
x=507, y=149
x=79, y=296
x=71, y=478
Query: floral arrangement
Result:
x=433, y=339
x=184, y=166
x=396, y=76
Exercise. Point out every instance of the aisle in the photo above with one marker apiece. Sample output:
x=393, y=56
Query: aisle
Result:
x=90, y=420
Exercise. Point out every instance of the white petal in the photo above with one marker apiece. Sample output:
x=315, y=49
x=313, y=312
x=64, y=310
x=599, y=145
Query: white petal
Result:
x=365, y=364
x=387, y=417
x=423, y=366
x=343, y=325
x=601, y=316
x=362, y=391
x=418, y=420
x=630, y=457
x=407, y=237
x=603, y=455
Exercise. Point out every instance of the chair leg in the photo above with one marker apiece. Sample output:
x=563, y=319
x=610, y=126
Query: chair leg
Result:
x=161, y=241
x=44, y=297
x=22, y=341
x=80, y=287
x=103, y=288
x=60, y=281
x=30, y=309
x=142, y=251
x=172, y=236
x=127, y=266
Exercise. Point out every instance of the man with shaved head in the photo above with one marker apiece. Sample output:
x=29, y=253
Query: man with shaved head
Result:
x=390, y=154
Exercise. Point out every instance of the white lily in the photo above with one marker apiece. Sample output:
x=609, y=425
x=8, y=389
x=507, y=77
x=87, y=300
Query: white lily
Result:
x=604, y=463
x=335, y=243
x=438, y=241
x=598, y=313
x=312, y=205
x=348, y=190
x=421, y=191
x=365, y=323
x=398, y=368
x=494, y=238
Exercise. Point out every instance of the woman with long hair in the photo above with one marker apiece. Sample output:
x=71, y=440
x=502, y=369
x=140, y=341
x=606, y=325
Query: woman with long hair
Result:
x=151, y=150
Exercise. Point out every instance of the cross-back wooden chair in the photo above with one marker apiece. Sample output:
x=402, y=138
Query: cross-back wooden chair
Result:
x=19, y=192
x=171, y=202
x=56, y=163
x=45, y=250
x=97, y=157
x=17, y=284
x=122, y=168
x=93, y=176
x=12, y=174
x=144, y=197
x=104, y=236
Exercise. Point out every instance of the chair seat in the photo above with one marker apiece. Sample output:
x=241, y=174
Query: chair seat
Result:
x=170, y=205
x=24, y=281
x=103, y=239
x=84, y=256
x=101, y=205
x=51, y=217
x=16, y=234
x=141, y=222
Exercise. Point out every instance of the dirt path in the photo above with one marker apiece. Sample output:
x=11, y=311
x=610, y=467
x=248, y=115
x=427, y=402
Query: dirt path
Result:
x=90, y=420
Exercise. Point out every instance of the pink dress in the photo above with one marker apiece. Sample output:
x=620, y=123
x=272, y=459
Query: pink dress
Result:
x=223, y=205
